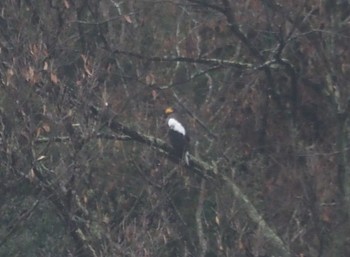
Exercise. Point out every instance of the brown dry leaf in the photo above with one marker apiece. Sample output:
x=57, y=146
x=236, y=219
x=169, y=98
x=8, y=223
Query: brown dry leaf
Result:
x=31, y=175
x=127, y=19
x=38, y=132
x=9, y=75
x=33, y=49
x=30, y=73
x=150, y=79
x=66, y=4
x=217, y=220
x=38, y=50
x=31, y=76
x=54, y=78
x=46, y=66
x=46, y=127
x=83, y=56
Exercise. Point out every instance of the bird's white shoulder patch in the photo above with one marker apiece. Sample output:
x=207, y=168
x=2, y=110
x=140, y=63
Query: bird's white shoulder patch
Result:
x=176, y=126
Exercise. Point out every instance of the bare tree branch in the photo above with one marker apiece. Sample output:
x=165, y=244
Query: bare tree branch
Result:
x=208, y=61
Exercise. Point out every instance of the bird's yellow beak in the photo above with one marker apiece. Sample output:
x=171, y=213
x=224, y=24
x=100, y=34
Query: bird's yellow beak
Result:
x=168, y=110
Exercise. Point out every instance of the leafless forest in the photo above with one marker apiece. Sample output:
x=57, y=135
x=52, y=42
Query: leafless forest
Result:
x=86, y=169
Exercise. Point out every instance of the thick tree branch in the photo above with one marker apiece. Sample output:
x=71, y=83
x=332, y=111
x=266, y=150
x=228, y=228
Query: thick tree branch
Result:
x=265, y=66
x=278, y=246
x=208, y=61
x=59, y=139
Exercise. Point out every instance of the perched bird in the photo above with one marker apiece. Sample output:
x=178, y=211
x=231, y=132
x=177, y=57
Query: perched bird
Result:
x=177, y=134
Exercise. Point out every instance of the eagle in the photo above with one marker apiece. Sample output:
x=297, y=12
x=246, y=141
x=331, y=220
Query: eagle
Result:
x=178, y=136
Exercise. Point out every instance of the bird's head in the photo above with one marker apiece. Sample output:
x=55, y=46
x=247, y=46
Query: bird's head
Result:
x=168, y=111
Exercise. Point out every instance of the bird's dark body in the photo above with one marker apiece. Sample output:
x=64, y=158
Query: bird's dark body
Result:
x=179, y=142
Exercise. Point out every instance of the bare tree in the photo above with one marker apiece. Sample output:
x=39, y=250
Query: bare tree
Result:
x=261, y=85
